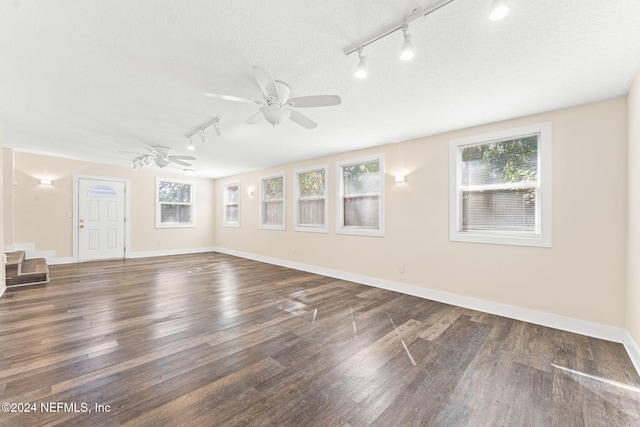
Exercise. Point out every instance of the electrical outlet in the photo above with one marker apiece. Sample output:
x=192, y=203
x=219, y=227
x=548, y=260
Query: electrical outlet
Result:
x=293, y=251
x=401, y=268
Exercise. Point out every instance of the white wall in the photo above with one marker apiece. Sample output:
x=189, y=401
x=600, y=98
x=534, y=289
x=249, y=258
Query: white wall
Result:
x=582, y=276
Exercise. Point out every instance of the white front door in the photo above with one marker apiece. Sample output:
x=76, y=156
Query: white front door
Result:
x=101, y=219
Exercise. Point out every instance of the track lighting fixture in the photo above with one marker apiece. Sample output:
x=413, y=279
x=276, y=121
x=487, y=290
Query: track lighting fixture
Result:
x=142, y=162
x=203, y=137
x=499, y=9
x=361, y=69
x=406, y=53
x=200, y=131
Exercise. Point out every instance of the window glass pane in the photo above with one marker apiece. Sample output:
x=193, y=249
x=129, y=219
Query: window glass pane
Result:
x=509, y=161
x=232, y=194
x=311, y=184
x=504, y=210
x=311, y=212
x=231, y=213
x=102, y=190
x=272, y=188
x=361, y=178
x=273, y=212
x=361, y=211
x=174, y=192
x=171, y=213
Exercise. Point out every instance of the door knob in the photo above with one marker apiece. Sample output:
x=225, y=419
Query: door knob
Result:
x=81, y=226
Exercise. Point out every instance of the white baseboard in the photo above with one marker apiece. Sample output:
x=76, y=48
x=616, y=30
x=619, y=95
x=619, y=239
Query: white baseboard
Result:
x=632, y=350
x=166, y=252
x=581, y=327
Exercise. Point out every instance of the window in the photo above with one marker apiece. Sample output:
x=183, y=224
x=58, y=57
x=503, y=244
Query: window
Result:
x=174, y=203
x=272, y=202
x=311, y=207
x=231, y=204
x=360, y=207
x=500, y=187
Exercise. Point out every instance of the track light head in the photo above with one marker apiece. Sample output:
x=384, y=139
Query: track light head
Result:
x=499, y=9
x=406, y=53
x=361, y=69
x=216, y=126
x=191, y=147
x=203, y=136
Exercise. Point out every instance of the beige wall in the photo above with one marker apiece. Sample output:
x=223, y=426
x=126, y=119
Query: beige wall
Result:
x=633, y=253
x=40, y=212
x=582, y=276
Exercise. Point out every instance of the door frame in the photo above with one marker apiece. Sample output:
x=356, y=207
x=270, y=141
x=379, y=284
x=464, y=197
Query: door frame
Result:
x=76, y=207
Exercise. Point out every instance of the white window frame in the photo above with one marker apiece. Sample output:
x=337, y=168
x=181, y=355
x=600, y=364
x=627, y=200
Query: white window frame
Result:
x=296, y=207
x=359, y=230
x=284, y=202
x=543, y=196
x=159, y=223
x=226, y=187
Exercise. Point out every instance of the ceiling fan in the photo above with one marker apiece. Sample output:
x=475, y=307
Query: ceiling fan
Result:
x=276, y=106
x=160, y=156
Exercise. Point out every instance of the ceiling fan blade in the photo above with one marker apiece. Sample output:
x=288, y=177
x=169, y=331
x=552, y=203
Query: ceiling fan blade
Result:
x=230, y=98
x=302, y=120
x=152, y=149
x=180, y=162
x=266, y=82
x=315, y=101
x=181, y=157
x=254, y=119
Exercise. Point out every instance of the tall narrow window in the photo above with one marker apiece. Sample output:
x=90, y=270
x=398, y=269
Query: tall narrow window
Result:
x=500, y=187
x=272, y=208
x=174, y=203
x=361, y=196
x=231, y=205
x=311, y=205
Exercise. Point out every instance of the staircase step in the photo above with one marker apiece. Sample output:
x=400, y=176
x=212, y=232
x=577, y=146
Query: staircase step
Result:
x=34, y=271
x=14, y=258
x=13, y=266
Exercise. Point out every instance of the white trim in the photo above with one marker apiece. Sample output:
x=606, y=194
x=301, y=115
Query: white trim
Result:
x=360, y=231
x=282, y=226
x=544, y=130
x=190, y=224
x=296, y=199
x=633, y=350
x=168, y=252
x=582, y=327
x=226, y=185
x=127, y=211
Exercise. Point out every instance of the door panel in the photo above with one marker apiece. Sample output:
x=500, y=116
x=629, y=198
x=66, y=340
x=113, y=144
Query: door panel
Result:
x=101, y=210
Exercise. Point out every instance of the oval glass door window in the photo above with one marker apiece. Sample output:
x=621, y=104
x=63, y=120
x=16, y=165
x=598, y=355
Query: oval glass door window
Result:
x=102, y=190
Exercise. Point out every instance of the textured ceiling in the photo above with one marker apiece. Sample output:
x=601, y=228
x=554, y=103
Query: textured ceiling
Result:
x=87, y=79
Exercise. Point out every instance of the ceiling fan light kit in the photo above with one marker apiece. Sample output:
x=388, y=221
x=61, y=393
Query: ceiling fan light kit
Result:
x=498, y=10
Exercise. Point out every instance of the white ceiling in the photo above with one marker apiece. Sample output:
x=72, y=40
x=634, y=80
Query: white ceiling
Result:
x=86, y=79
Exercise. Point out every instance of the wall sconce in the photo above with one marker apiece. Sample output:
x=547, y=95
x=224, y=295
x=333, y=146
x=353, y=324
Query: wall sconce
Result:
x=45, y=181
x=400, y=178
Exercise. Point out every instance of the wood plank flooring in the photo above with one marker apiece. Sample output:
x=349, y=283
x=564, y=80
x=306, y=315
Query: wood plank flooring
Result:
x=215, y=340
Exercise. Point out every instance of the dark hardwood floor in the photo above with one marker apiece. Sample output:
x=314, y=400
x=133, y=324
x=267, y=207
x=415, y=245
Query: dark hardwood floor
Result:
x=214, y=340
